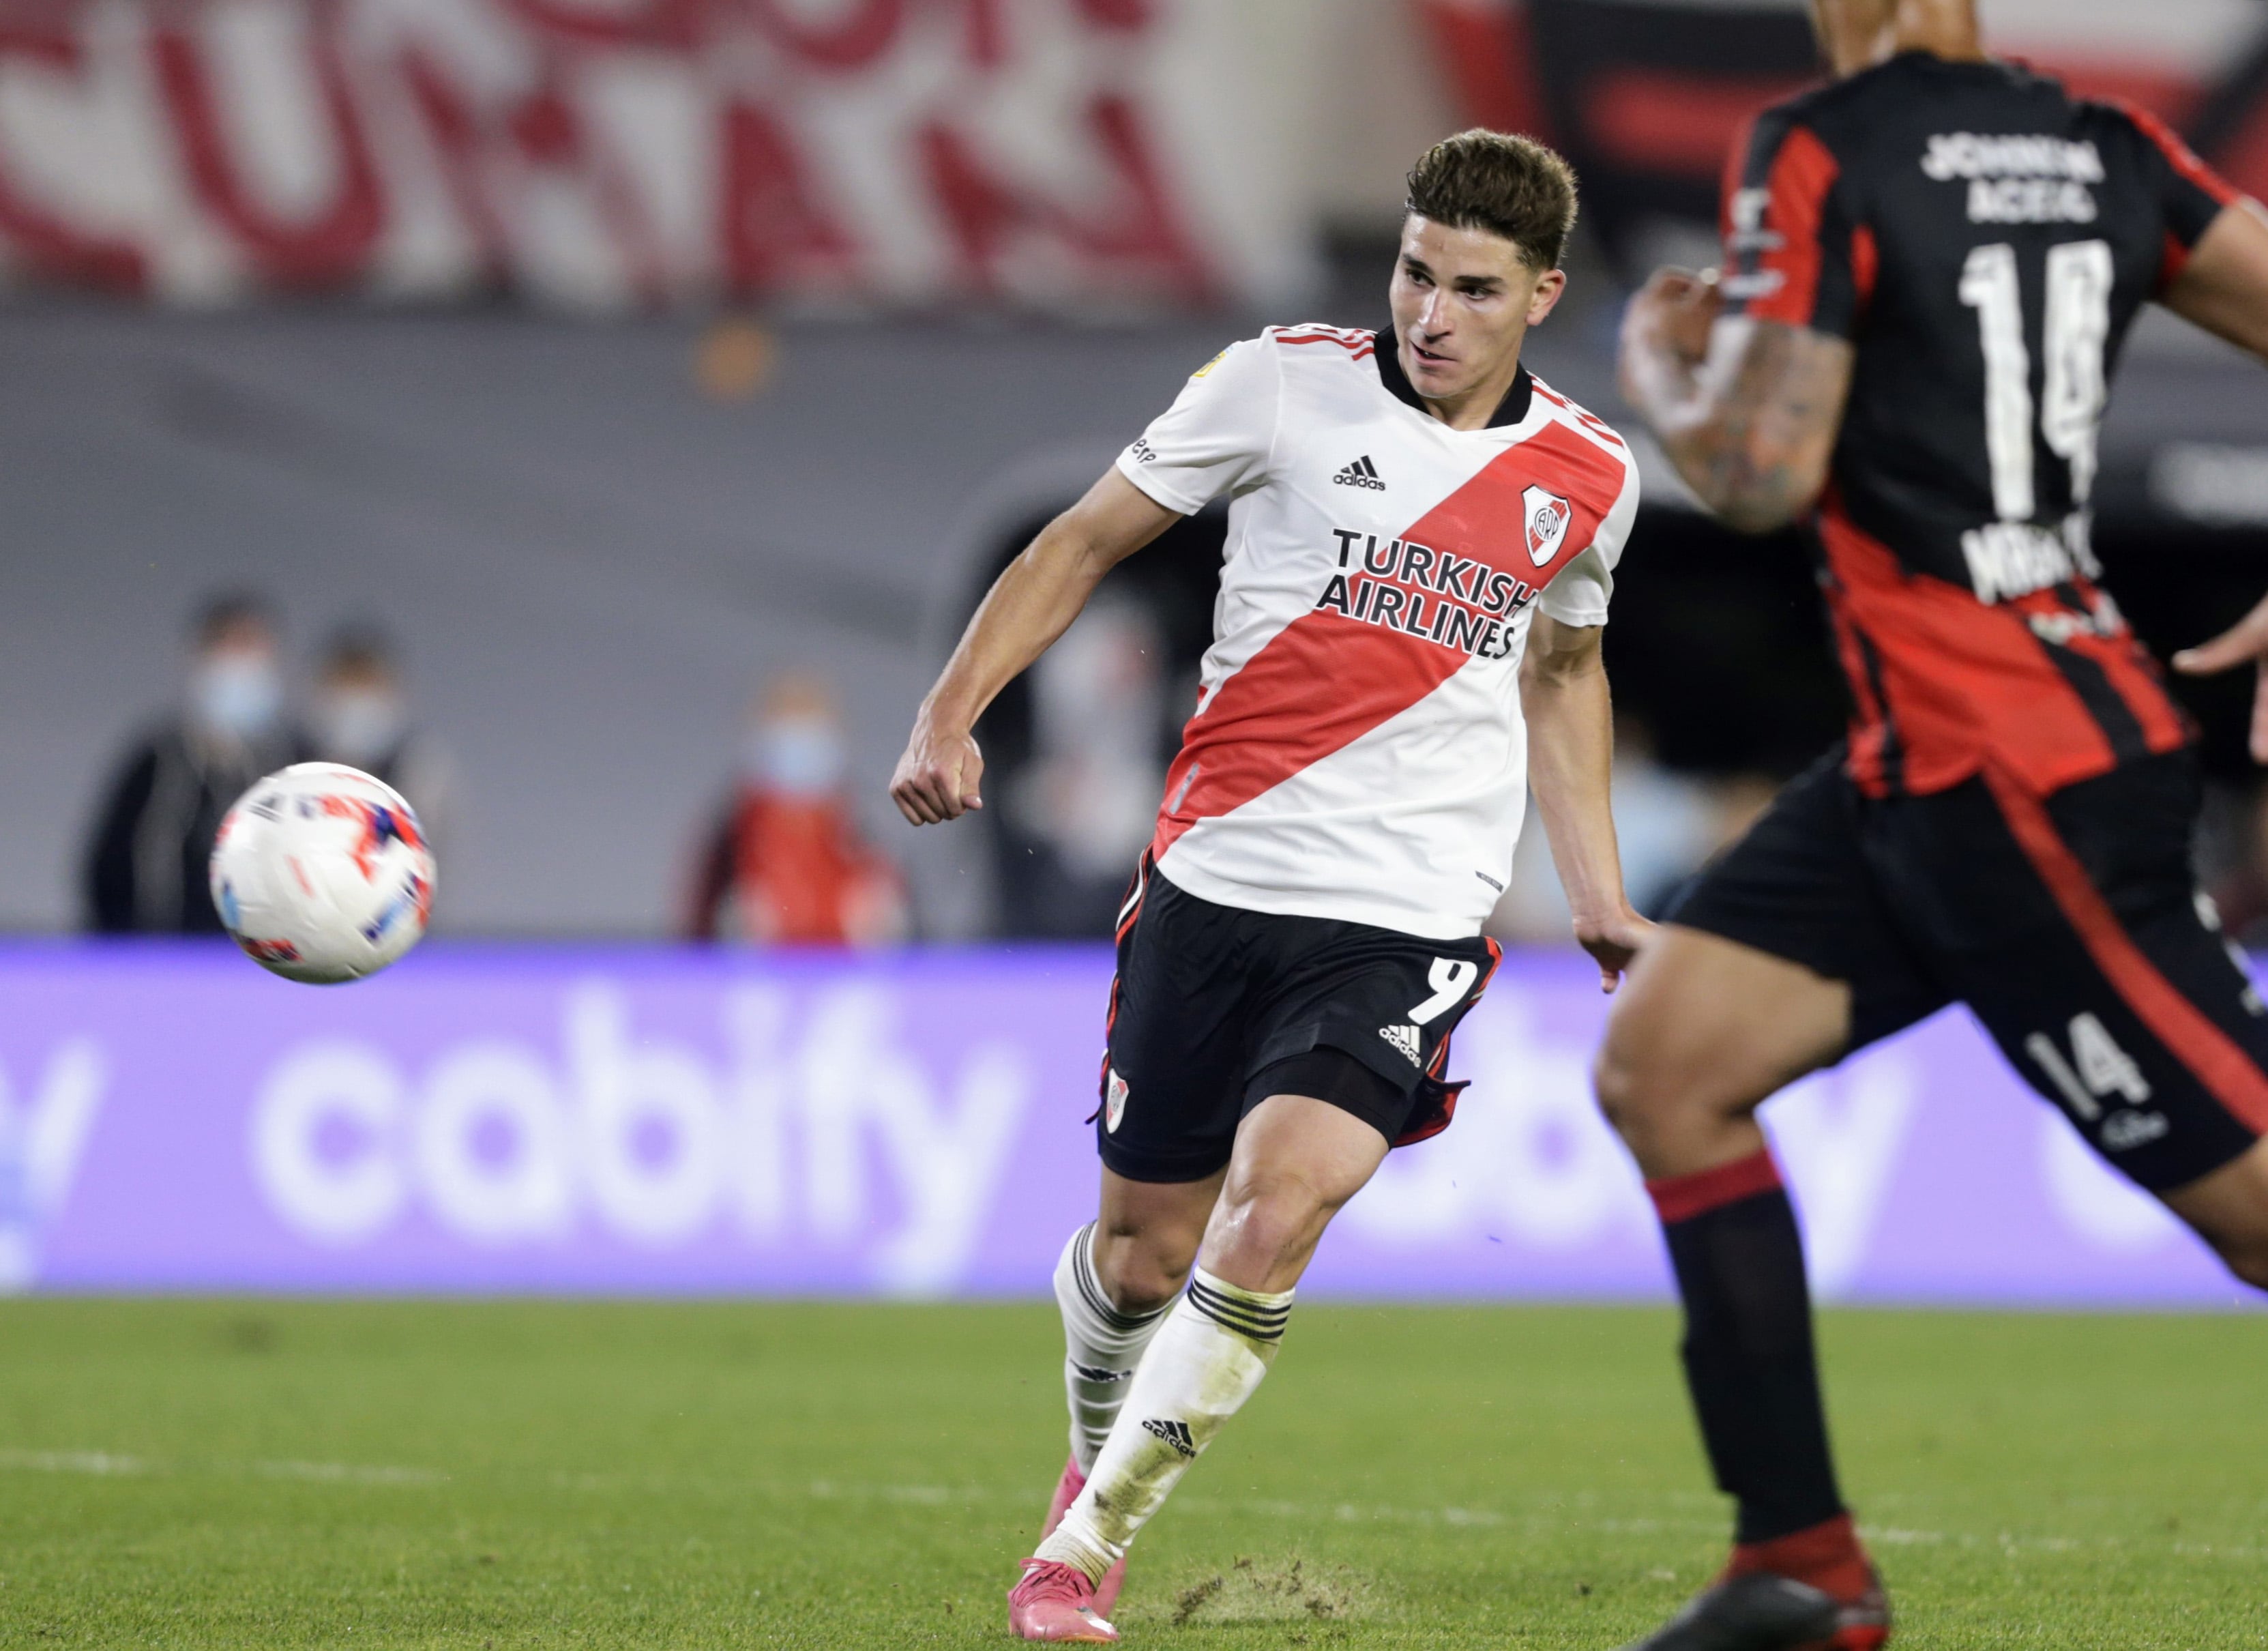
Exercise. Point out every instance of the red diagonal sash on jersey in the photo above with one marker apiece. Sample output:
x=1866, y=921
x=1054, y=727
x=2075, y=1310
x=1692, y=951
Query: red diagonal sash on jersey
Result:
x=1325, y=680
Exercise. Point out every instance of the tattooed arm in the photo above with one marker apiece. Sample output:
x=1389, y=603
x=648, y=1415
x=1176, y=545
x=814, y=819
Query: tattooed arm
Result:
x=1747, y=410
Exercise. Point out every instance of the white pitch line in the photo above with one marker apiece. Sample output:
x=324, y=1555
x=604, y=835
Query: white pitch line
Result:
x=97, y=1462
x=1340, y=1513
x=346, y=1473
x=115, y=1465
x=110, y=1464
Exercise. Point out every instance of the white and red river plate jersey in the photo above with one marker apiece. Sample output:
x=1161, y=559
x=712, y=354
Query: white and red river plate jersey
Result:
x=1358, y=750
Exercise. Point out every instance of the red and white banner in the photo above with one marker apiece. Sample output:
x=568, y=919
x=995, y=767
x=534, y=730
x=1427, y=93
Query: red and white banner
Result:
x=636, y=152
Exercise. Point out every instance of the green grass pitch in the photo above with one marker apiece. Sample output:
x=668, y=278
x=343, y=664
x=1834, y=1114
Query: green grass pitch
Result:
x=198, y=1473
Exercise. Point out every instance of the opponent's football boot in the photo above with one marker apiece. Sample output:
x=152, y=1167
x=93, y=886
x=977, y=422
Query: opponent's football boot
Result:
x=1055, y=1602
x=1759, y=1611
x=1067, y=1490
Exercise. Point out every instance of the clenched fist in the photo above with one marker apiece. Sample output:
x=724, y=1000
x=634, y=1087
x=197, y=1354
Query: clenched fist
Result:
x=937, y=777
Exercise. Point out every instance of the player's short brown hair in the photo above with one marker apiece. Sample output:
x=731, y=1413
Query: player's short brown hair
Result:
x=1500, y=182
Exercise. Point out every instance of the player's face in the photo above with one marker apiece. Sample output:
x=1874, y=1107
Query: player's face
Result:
x=1463, y=300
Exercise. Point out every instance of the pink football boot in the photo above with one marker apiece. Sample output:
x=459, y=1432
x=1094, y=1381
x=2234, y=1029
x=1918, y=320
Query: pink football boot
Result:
x=1067, y=1490
x=1057, y=1603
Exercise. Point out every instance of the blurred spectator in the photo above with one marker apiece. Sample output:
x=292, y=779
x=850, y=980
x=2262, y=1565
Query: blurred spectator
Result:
x=1078, y=813
x=360, y=716
x=786, y=864
x=2231, y=857
x=145, y=871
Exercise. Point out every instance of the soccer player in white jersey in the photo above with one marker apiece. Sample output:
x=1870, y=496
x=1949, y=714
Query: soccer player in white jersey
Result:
x=1421, y=545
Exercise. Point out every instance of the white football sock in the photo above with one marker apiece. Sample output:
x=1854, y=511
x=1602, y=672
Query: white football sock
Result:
x=1102, y=1346
x=1208, y=1360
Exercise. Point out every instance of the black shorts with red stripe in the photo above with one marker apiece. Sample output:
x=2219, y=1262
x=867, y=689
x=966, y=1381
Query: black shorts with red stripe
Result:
x=1216, y=1008
x=2070, y=925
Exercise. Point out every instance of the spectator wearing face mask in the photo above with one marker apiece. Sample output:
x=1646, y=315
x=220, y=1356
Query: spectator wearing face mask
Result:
x=359, y=715
x=786, y=865
x=145, y=871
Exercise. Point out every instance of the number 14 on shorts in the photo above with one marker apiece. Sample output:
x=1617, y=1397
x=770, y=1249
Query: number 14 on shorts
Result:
x=2097, y=1067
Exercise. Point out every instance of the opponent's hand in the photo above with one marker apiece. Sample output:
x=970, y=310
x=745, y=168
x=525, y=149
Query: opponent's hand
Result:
x=1612, y=942
x=1672, y=315
x=937, y=777
x=2244, y=642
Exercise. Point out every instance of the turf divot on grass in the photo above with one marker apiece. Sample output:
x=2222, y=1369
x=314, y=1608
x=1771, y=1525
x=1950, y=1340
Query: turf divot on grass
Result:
x=1252, y=1590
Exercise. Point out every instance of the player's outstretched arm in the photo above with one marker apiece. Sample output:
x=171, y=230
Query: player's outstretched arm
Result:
x=2224, y=289
x=2224, y=286
x=1571, y=758
x=1031, y=604
x=1747, y=410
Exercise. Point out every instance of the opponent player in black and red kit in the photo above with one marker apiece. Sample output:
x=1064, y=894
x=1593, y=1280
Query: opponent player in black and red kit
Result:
x=1931, y=264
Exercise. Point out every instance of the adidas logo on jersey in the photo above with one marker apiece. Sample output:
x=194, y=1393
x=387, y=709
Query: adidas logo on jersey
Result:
x=1405, y=1039
x=1174, y=1433
x=1361, y=473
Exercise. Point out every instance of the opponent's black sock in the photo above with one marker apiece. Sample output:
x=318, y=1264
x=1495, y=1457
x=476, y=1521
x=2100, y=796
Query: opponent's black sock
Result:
x=1748, y=1347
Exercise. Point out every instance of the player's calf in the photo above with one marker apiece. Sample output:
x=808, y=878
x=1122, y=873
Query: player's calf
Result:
x=1296, y=1160
x=1103, y=1344
x=1208, y=1359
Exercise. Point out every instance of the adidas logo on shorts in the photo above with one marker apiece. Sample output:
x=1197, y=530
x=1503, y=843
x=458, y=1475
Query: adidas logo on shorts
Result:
x=1361, y=473
x=1405, y=1039
x=1174, y=1433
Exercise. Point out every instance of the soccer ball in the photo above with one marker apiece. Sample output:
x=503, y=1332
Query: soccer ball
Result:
x=323, y=874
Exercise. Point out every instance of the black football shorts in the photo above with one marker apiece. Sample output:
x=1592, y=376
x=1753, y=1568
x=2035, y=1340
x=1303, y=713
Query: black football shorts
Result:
x=1216, y=1008
x=2070, y=925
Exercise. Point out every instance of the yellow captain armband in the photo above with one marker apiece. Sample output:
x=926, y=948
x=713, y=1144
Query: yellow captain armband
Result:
x=1208, y=366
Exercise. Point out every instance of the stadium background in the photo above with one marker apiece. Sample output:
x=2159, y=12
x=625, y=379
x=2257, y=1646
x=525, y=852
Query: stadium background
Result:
x=622, y=360
x=619, y=357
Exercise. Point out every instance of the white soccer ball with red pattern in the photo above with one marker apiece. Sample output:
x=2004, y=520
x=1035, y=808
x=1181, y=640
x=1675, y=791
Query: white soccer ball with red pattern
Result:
x=322, y=874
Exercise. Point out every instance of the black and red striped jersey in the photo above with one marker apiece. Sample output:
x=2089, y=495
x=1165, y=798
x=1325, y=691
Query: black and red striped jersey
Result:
x=1985, y=242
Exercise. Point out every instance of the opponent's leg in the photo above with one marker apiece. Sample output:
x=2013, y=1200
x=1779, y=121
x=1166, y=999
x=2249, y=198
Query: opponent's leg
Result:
x=1297, y=1162
x=2229, y=1211
x=1702, y=1033
x=2120, y=1001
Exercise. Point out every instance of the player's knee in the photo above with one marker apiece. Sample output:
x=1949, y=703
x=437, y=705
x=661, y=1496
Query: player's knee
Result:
x=1140, y=1271
x=1266, y=1222
x=1666, y=1105
x=1616, y=1085
x=1634, y=1095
